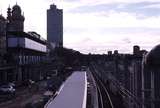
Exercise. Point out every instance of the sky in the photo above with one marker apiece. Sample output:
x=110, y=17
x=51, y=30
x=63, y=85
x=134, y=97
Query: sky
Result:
x=97, y=26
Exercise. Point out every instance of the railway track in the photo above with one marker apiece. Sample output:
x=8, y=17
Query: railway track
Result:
x=124, y=93
x=104, y=99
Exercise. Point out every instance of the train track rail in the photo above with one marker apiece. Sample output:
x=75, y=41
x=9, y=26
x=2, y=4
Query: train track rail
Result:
x=104, y=99
x=126, y=94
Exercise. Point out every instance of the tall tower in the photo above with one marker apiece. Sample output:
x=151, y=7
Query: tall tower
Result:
x=15, y=19
x=55, y=25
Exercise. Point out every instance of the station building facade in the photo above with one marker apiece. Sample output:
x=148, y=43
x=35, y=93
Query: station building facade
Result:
x=26, y=51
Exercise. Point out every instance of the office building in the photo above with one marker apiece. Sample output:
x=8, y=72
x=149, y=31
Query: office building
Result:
x=55, y=26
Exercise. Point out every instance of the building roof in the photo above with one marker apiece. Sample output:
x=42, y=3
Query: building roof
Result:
x=16, y=8
x=16, y=13
x=152, y=59
x=2, y=18
x=28, y=35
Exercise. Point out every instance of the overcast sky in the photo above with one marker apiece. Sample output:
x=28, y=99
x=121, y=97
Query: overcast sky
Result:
x=97, y=25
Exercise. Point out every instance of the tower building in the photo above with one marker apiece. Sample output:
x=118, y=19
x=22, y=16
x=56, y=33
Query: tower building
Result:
x=55, y=25
x=25, y=50
x=15, y=19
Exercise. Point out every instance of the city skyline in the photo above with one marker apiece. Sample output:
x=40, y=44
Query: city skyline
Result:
x=99, y=25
